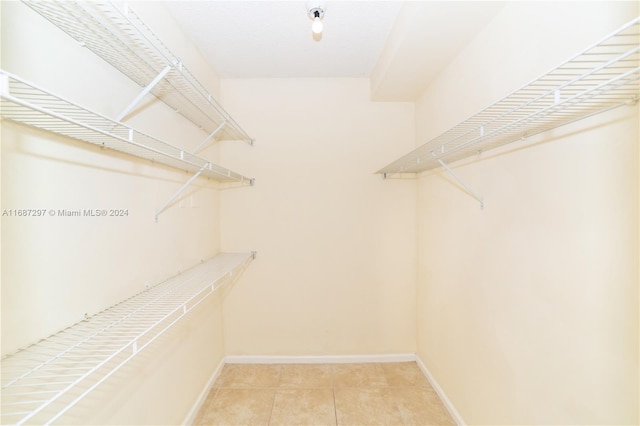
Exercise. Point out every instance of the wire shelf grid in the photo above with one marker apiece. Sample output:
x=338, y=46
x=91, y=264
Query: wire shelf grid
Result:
x=44, y=380
x=604, y=76
x=116, y=34
x=28, y=104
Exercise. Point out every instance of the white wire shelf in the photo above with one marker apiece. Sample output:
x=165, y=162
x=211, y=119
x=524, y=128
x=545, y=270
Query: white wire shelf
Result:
x=116, y=34
x=26, y=103
x=43, y=381
x=604, y=76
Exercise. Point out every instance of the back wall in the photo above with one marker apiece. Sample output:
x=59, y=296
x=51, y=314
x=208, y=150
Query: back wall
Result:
x=335, y=271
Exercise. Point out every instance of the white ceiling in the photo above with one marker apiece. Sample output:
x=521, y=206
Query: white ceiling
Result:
x=401, y=45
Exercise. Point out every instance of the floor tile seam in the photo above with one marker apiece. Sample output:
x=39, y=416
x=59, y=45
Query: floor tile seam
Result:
x=324, y=388
x=274, y=388
x=335, y=408
x=378, y=387
x=249, y=387
x=241, y=387
x=273, y=403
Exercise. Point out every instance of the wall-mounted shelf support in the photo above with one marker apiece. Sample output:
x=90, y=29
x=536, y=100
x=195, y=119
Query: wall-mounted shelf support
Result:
x=208, y=138
x=43, y=381
x=121, y=38
x=143, y=93
x=460, y=181
x=26, y=103
x=606, y=75
x=180, y=191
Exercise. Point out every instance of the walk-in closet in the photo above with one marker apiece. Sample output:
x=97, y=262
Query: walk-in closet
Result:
x=320, y=212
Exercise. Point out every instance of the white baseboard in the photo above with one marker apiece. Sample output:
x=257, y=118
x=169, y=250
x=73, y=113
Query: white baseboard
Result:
x=443, y=396
x=317, y=359
x=191, y=416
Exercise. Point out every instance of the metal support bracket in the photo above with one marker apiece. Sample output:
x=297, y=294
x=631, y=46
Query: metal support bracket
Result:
x=460, y=181
x=144, y=92
x=204, y=142
x=180, y=191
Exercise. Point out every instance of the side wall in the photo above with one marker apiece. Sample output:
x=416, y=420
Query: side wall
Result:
x=528, y=309
x=55, y=269
x=335, y=270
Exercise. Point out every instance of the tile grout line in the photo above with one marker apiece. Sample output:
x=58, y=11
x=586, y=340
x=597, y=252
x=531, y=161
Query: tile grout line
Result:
x=333, y=392
x=335, y=409
x=275, y=392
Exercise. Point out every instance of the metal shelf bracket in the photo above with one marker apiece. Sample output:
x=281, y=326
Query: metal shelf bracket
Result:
x=211, y=135
x=460, y=181
x=144, y=92
x=181, y=190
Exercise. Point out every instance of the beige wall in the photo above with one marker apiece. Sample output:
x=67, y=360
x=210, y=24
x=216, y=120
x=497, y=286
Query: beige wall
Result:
x=335, y=271
x=56, y=269
x=528, y=309
x=526, y=312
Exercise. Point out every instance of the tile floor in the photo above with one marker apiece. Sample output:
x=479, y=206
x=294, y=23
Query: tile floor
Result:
x=323, y=394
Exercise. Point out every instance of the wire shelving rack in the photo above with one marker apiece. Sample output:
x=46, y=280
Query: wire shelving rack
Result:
x=42, y=381
x=604, y=76
x=28, y=104
x=116, y=34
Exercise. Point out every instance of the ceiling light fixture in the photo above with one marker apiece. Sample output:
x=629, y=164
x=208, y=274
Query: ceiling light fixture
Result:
x=316, y=13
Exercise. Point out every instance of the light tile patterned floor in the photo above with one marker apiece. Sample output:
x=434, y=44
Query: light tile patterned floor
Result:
x=323, y=394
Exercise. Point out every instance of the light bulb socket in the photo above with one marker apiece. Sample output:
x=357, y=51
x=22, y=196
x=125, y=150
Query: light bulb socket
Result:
x=315, y=8
x=316, y=13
